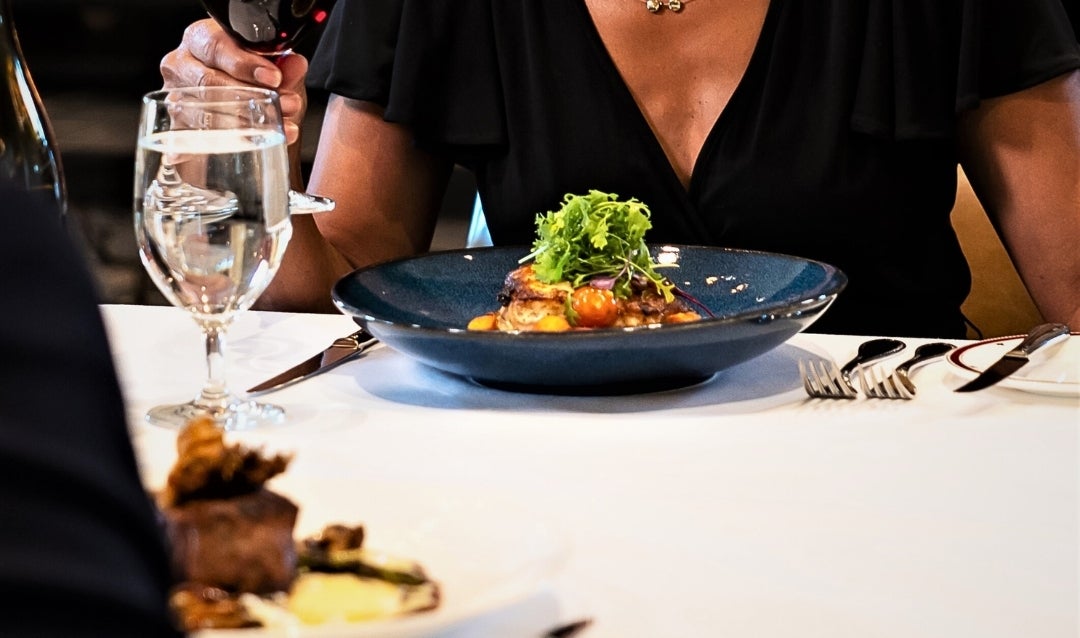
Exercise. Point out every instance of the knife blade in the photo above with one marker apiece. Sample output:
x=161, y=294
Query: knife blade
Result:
x=1041, y=335
x=341, y=351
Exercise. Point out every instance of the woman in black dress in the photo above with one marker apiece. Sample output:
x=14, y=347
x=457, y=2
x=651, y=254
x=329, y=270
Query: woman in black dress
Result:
x=829, y=129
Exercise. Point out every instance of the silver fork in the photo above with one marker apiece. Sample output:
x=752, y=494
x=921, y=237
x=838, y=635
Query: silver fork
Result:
x=824, y=380
x=898, y=384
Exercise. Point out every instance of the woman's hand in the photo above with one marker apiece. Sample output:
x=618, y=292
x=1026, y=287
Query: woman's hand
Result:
x=207, y=56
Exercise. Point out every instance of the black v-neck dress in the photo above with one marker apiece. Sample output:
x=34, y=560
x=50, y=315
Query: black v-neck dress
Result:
x=838, y=144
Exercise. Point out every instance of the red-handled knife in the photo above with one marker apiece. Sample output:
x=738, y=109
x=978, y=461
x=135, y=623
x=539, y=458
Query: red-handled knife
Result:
x=1013, y=360
x=342, y=350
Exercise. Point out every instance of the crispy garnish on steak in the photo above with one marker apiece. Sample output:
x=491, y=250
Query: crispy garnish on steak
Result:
x=207, y=468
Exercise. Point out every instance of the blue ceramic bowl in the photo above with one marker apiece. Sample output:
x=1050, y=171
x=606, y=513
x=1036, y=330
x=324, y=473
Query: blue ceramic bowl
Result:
x=421, y=305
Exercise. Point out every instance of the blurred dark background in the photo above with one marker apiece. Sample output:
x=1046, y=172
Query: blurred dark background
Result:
x=92, y=60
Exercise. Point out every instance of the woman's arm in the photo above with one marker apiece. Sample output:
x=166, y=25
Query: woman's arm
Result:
x=1022, y=155
x=387, y=192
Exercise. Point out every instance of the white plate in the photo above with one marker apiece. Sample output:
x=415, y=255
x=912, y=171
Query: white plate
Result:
x=486, y=551
x=1054, y=370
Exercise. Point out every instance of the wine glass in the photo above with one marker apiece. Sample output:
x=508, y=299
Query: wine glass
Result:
x=212, y=222
x=268, y=27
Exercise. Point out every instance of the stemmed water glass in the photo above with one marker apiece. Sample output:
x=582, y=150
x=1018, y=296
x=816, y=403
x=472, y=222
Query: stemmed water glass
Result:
x=212, y=222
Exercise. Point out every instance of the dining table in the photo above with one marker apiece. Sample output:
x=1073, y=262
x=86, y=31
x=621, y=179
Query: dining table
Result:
x=737, y=506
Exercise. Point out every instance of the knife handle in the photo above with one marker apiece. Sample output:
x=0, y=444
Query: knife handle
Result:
x=1041, y=336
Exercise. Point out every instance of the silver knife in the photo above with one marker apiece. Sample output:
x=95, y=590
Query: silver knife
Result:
x=342, y=350
x=1016, y=358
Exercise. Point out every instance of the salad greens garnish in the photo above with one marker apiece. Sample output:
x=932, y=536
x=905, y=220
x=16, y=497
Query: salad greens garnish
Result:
x=598, y=239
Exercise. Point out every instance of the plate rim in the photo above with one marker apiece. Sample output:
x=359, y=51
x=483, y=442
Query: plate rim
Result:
x=835, y=282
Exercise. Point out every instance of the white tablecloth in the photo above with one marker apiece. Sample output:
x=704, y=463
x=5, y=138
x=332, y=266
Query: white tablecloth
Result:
x=734, y=508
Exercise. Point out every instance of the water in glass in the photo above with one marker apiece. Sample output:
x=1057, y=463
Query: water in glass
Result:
x=212, y=222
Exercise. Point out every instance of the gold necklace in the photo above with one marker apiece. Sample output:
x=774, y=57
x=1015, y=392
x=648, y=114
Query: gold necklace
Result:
x=654, y=6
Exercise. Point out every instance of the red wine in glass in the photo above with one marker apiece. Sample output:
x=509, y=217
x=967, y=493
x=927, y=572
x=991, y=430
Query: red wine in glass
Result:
x=268, y=27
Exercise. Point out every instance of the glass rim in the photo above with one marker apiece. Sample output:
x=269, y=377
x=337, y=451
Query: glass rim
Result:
x=209, y=95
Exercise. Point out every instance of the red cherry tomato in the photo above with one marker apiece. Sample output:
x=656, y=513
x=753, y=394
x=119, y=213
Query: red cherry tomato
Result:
x=594, y=307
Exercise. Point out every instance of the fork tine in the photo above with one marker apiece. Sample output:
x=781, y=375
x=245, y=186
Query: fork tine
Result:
x=892, y=388
x=822, y=379
x=884, y=385
x=901, y=390
x=846, y=390
x=819, y=386
x=832, y=378
x=806, y=382
x=869, y=388
x=810, y=379
x=877, y=385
